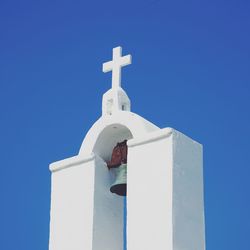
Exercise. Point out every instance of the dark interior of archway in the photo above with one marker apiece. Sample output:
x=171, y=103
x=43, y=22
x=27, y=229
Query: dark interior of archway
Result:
x=108, y=138
x=104, y=146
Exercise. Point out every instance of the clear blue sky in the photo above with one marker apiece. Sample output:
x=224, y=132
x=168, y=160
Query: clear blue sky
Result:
x=190, y=71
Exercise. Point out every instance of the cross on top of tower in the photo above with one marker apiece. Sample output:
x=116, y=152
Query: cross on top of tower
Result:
x=115, y=66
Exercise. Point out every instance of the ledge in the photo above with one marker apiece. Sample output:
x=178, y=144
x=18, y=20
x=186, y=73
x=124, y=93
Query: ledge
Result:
x=70, y=162
x=150, y=137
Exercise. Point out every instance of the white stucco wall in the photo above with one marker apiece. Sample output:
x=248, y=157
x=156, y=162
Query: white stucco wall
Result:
x=188, y=201
x=72, y=203
x=112, y=127
x=149, y=200
x=165, y=193
x=84, y=214
x=164, y=196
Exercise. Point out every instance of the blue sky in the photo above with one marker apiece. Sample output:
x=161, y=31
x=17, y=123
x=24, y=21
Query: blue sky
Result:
x=190, y=71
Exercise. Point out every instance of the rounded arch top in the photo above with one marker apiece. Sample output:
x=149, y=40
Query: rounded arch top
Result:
x=110, y=129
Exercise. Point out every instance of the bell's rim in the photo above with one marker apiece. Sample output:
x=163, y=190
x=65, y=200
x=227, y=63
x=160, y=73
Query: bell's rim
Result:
x=119, y=189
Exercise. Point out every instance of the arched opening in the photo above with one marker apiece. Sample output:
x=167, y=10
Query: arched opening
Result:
x=103, y=147
x=108, y=138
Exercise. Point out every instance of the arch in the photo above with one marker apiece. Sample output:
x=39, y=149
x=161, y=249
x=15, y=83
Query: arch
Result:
x=109, y=129
x=108, y=209
x=108, y=138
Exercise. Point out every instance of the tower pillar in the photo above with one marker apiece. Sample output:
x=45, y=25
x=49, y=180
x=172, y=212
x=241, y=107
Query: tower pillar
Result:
x=165, y=207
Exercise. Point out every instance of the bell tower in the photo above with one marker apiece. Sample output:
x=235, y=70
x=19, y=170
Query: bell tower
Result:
x=165, y=207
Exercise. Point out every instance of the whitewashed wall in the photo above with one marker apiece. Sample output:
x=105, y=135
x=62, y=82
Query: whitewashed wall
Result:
x=165, y=193
x=84, y=214
x=165, y=208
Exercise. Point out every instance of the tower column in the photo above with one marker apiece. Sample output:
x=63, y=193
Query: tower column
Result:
x=165, y=192
x=84, y=215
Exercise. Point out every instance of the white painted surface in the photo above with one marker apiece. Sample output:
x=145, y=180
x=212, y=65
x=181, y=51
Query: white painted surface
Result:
x=115, y=66
x=84, y=214
x=165, y=193
x=149, y=202
x=188, y=201
x=165, y=190
x=114, y=100
x=108, y=129
x=72, y=203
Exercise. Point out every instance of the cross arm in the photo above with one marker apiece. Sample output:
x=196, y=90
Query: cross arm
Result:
x=108, y=66
x=126, y=60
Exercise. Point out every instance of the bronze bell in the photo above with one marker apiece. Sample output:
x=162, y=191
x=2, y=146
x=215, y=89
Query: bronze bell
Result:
x=119, y=165
x=119, y=187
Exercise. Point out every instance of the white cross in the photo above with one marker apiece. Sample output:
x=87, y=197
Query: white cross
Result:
x=115, y=66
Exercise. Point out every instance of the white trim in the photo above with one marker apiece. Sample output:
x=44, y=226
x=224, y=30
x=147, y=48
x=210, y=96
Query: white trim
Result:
x=70, y=162
x=150, y=137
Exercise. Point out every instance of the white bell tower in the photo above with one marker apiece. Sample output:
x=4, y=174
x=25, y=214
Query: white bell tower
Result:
x=165, y=207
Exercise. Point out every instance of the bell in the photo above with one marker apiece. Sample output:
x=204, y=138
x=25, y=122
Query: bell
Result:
x=119, y=187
